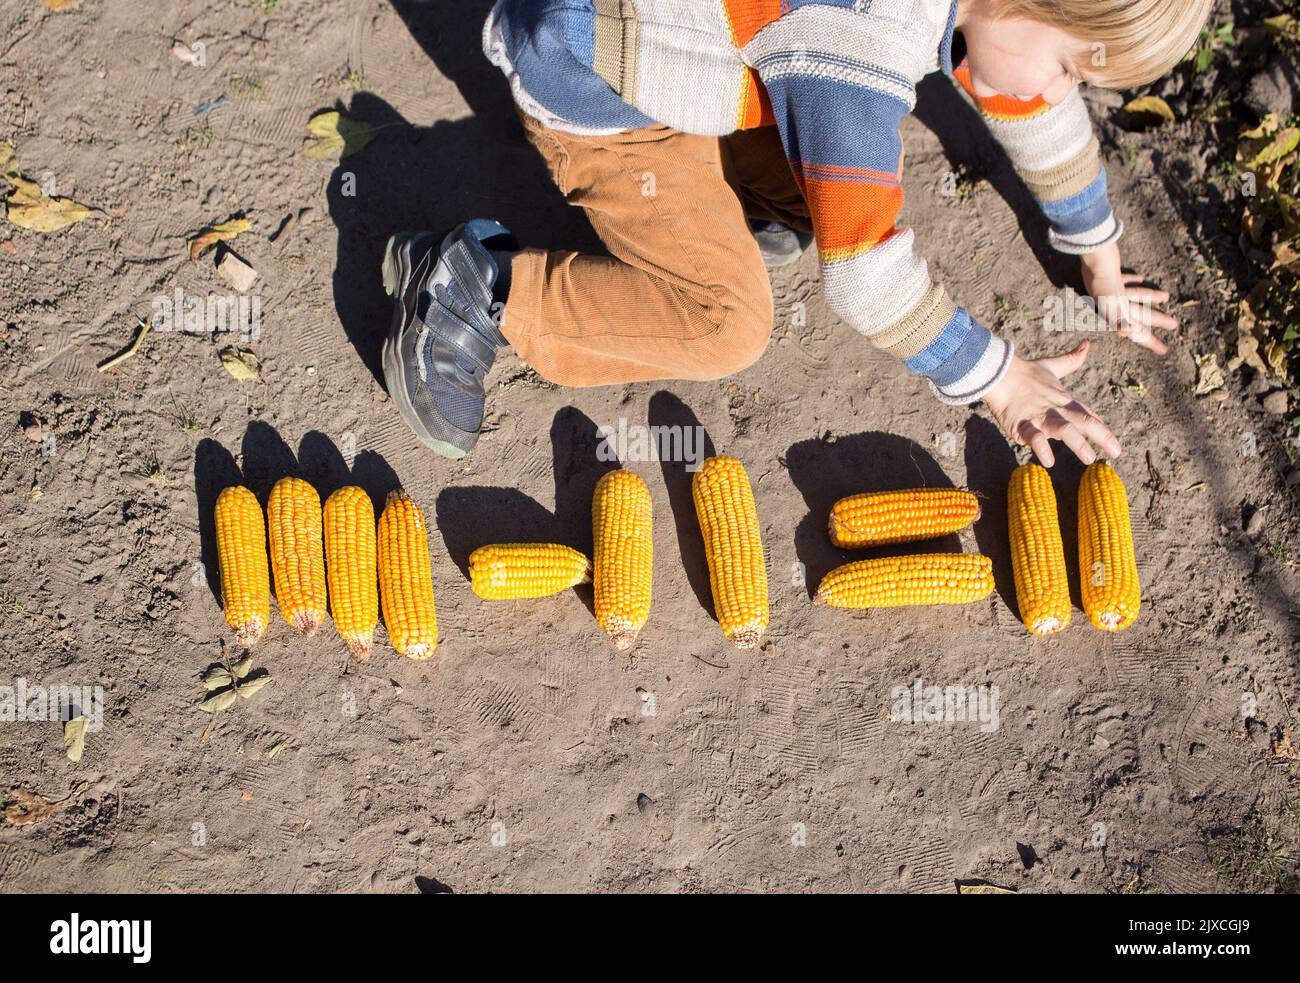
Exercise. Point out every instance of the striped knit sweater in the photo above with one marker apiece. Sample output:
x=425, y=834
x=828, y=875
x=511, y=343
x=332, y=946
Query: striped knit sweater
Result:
x=836, y=77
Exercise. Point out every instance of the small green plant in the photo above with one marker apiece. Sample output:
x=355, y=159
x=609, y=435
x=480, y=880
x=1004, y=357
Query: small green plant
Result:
x=1213, y=37
x=243, y=87
x=1257, y=857
x=265, y=6
x=196, y=138
x=354, y=79
x=152, y=467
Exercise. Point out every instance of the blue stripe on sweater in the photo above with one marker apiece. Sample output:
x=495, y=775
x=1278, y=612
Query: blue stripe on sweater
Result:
x=837, y=124
x=959, y=347
x=539, y=36
x=1081, y=212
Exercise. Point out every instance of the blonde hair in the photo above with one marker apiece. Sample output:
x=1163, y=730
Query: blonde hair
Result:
x=1133, y=41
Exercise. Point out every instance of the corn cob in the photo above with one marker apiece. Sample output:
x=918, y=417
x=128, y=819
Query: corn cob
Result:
x=241, y=553
x=512, y=571
x=293, y=521
x=406, y=578
x=878, y=518
x=350, y=563
x=1037, y=556
x=1108, y=575
x=898, y=581
x=733, y=544
x=621, y=515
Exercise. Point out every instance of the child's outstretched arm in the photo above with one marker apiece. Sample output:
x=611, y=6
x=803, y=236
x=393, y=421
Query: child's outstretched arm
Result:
x=1055, y=152
x=838, y=112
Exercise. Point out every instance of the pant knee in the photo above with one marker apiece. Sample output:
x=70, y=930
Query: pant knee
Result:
x=743, y=335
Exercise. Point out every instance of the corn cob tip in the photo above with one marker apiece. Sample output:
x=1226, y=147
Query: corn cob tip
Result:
x=250, y=633
x=305, y=622
x=746, y=638
x=360, y=647
x=419, y=652
x=1046, y=626
x=624, y=638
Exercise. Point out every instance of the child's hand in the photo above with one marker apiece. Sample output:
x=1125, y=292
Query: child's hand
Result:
x=1126, y=306
x=1031, y=405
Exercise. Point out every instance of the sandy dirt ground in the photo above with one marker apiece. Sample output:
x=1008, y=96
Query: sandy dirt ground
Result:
x=528, y=755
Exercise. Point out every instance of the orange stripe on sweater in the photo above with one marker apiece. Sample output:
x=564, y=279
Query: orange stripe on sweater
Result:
x=755, y=106
x=748, y=17
x=851, y=218
x=1000, y=107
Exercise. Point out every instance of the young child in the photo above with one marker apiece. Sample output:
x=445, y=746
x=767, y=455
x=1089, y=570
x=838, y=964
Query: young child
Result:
x=656, y=116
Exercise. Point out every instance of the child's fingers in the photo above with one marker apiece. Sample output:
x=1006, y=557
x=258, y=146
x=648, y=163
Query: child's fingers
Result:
x=1140, y=334
x=1092, y=427
x=1148, y=295
x=1067, y=433
x=1037, y=441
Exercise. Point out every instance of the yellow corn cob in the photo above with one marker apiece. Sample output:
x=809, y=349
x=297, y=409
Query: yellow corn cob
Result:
x=350, y=563
x=621, y=515
x=511, y=571
x=1037, y=556
x=877, y=518
x=733, y=544
x=293, y=521
x=899, y=581
x=241, y=552
x=1108, y=575
x=406, y=578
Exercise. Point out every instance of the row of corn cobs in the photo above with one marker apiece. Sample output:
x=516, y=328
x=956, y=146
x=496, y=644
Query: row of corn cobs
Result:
x=623, y=557
x=1108, y=577
x=334, y=551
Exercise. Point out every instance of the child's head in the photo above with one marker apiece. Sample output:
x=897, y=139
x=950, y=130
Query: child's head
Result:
x=1027, y=48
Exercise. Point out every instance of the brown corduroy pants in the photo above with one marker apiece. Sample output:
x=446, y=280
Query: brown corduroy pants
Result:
x=684, y=293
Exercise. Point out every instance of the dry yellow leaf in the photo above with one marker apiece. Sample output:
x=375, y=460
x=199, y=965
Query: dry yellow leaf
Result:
x=58, y=5
x=1150, y=111
x=30, y=208
x=214, y=234
x=334, y=136
x=74, y=737
x=241, y=363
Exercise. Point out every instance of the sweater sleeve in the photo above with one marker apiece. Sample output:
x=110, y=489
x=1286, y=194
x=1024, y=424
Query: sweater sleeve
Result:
x=1056, y=154
x=839, y=87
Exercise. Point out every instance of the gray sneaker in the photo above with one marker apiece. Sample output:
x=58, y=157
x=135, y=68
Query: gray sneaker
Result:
x=779, y=244
x=443, y=339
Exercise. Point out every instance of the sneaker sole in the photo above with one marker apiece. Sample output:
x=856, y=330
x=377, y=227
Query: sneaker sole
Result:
x=396, y=270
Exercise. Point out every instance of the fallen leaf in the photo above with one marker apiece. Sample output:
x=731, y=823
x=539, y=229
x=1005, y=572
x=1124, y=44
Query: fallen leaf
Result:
x=74, y=737
x=335, y=136
x=31, y=208
x=30, y=808
x=1149, y=111
x=8, y=161
x=58, y=5
x=241, y=363
x=277, y=749
x=1284, y=749
x=213, y=234
x=218, y=678
x=249, y=687
x=983, y=889
x=246, y=795
x=1209, y=376
x=219, y=701
x=242, y=667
